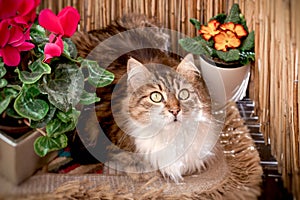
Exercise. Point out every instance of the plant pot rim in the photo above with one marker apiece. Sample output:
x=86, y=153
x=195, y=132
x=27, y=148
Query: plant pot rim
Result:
x=15, y=141
x=223, y=65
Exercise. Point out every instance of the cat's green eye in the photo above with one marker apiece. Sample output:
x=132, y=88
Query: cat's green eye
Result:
x=156, y=97
x=184, y=94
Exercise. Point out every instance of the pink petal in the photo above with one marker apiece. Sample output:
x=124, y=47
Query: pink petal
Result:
x=21, y=20
x=4, y=32
x=11, y=56
x=69, y=19
x=26, y=6
x=50, y=21
x=16, y=36
x=8, y=8
x=52, y=38
x=51, y=50
x=59, y=42
x=26, y=46
x=27, y=33
x=27, y=11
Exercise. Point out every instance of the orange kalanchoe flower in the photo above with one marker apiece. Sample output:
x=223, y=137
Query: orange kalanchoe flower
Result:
x=226, y=39
x=210, y=30
x=240, y=31
x=228, y=26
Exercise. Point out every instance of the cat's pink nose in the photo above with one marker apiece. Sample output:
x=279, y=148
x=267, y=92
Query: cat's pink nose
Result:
x=174, y=111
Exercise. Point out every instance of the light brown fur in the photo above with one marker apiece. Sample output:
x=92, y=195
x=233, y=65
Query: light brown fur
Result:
x=126, y=110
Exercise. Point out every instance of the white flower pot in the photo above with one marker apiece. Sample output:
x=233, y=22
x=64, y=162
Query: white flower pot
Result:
x=18, y=160
x=224, y=84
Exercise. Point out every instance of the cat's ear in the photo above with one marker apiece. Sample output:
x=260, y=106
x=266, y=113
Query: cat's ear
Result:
x=187, y=67
x=137, y=73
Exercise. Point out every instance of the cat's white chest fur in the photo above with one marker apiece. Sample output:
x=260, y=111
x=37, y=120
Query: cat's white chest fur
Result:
x=177, y=148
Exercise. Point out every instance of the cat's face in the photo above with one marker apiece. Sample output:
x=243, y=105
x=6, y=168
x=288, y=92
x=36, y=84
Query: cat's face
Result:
x=162, y=95
x=167, y=113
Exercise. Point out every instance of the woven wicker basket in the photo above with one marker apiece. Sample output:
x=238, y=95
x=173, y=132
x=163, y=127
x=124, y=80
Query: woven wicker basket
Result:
x=237, y=175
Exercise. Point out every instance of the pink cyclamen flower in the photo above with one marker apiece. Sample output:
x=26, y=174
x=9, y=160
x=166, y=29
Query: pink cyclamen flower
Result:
x=21, y=12
x=54, y=48
x=62, y=25
x=12, y=42
x=16, y=17
x=65, y=23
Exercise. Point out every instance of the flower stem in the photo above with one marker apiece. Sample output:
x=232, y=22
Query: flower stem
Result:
x=41, y=131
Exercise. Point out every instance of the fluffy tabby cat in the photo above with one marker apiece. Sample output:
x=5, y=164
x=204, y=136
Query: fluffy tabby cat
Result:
x=158, y=106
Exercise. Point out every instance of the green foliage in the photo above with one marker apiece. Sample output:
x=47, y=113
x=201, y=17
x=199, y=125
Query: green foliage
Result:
x=197, y=45
x=49, y=95
x=248, y=43
x=70, y=49
x=220, y=18
x=29, y=105
x=63, y=86
x=38, y=69
x=246, y=57
x=229, y=56
x=196, y=23
x=98, y=76
x=6, y=96
x=234, y=14
x=87, y=98
x=45, y=144
x=3, y=82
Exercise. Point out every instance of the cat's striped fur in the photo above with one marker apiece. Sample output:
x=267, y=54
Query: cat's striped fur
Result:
x=157, y=106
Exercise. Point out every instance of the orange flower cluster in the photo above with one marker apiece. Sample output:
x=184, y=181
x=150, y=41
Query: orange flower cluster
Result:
x=227, y=35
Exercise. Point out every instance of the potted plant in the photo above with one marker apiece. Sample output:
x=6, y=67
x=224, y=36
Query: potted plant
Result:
x=226, y=48
x=43, y=83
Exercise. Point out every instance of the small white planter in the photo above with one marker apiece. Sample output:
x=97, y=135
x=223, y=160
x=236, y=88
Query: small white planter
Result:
x=224, y=84
x=18, y=160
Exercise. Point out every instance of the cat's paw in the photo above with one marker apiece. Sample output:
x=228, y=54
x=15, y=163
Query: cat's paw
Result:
x=131, y=164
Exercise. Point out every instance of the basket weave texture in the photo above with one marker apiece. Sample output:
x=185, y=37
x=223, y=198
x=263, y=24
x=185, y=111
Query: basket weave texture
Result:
x=237, y=175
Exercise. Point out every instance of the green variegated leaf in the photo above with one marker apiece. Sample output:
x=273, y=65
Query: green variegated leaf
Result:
x=248, y=43
x=28, y=105
x=98, y=76
x=88, y=98
x=63, y=117
x=229, y=56
x=66, y=49
x=43, y=122
x=64, y=87
x=234, y=14
x=46, y=144
x=70, y=48
x=12, y=113
x=196, y=23
x=38, y=69
x=247, y=57
x=3, y=83
x=15, y=87
x=37, y=31
x=197, y=46
x=6, y=96
x=63, y=122
x=2, y=70
x=56, y=127
x=38, y=36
